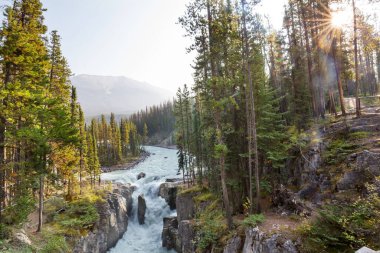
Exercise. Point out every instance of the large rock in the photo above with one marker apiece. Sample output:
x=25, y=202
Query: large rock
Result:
x=288, y=202
x=169, y=234
x=369, y=162
x=258, y=242
x=186, y=234
x=233, y=245
x=126, y=192
x=365, y=167
x=112, y=224
x=185, y=206
x=168, y=191
x=141, y=175
x=141, y=209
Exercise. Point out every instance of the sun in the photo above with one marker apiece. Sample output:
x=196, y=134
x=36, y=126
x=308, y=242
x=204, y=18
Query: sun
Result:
x=340, y=18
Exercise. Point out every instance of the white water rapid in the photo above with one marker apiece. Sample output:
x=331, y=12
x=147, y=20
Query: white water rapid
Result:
x=160, y=165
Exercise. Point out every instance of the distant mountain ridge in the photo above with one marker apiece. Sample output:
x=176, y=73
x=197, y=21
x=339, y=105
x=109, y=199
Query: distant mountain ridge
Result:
x=121, y=95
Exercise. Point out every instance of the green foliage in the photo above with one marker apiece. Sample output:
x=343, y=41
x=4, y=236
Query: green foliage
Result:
x=52, y=206
x=337, y=151
x=203, y=197
x=5, y=231
x=55, y=244
x=211, y=227
x=343, y=228
x=253, y=220
x=19, y=212
x=194, y=189
x=78, y=217
x=358, y=135
x=265, y=187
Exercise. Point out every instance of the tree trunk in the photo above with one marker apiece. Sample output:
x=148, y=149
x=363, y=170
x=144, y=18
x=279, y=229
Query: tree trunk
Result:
x=339, y=82
x=252, y=119
x=356, y=61
x=217, y=121
x=309, y=59
x=41, y=203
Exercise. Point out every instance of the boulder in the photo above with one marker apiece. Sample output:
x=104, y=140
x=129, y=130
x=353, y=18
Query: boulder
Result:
x=368, y=161
x=366, y=250
x=141, y=209
x=258, y=242
x=233, y=245
x=308, y=191
x=169, y=234
x=350, y=180
x=22, y=238
x=365, y=167
x=168, y=191
x=141, y=175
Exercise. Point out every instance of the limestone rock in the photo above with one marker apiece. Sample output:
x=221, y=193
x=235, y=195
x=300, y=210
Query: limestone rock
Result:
x=141, y=209
x=141, y=175
x=168, y=191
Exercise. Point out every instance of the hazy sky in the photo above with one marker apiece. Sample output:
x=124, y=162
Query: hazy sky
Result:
x=135, y=38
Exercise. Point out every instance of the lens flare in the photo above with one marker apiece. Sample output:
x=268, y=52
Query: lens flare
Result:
x=340, y=18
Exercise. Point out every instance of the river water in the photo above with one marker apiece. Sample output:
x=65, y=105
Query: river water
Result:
x=160, y=165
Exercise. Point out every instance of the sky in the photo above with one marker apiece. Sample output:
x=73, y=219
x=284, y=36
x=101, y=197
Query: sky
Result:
x=139, y=39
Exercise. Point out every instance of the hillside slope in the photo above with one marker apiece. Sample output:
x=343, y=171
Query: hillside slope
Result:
x=121, y=95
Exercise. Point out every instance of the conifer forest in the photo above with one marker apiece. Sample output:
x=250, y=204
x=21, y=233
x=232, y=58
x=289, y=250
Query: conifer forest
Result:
x=273, y=147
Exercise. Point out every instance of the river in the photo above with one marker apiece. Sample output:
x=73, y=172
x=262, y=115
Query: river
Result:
x=160, y=165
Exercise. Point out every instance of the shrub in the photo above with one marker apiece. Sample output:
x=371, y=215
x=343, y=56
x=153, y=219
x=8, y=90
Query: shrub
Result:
x=345, y=227
x=79, y=217
x=253, y=220
x=18, y=213
x=211, y=227
x=55, y=244
x=337, y=151
x=5, y=231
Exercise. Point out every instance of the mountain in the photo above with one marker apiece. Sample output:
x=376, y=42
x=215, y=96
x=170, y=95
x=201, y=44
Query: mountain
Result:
x=118, y=94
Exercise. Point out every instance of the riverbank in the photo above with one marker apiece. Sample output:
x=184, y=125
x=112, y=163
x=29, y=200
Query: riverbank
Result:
x=128, y=165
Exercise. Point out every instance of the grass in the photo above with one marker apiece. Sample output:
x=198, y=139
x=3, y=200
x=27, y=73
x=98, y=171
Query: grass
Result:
x=193, y=189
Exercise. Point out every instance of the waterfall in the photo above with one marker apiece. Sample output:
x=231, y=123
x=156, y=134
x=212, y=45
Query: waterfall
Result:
x=147, y=238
